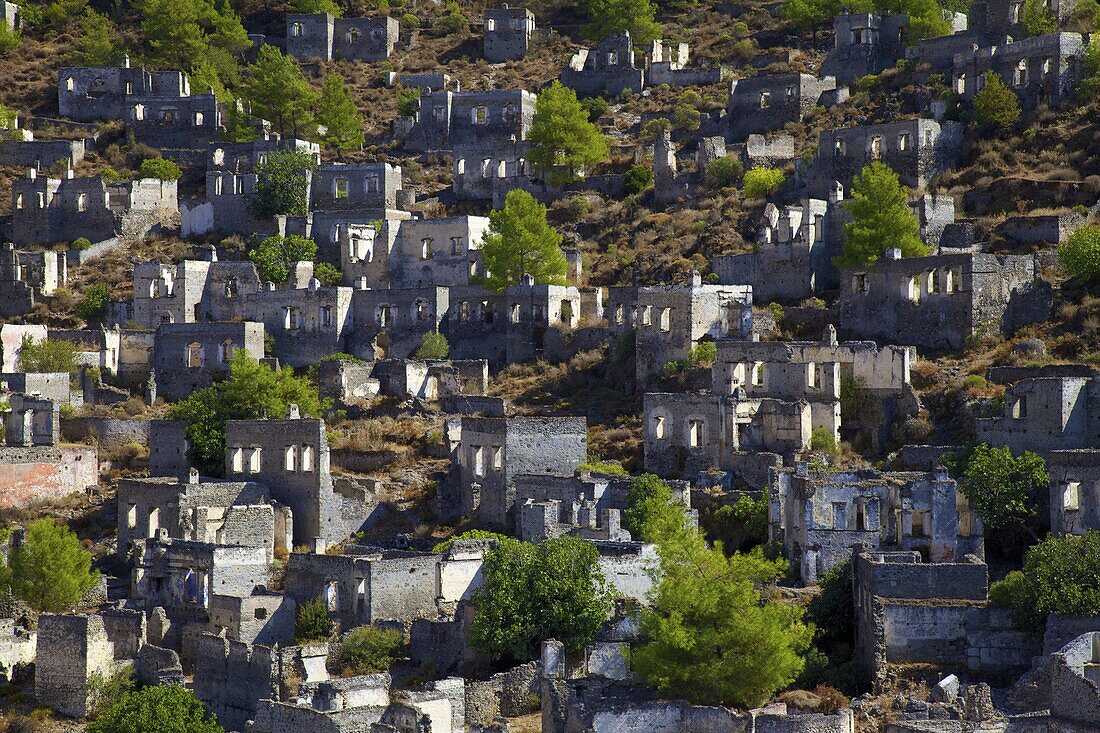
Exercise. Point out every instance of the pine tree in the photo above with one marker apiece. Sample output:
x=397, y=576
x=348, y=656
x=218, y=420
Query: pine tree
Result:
x=51, y=571
x=521, y=242
x=996, y=105
x=615, y=16
x=98, y=44
x=563, y=141
x=281, y=184
x=339, y=115
x=279, y=92
x=881, y=218
x=1038, y=20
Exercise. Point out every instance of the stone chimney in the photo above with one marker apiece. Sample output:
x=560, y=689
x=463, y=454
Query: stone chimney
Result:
x=292, y=412
x=829, y=339
x=696, y=279
x=893, y=253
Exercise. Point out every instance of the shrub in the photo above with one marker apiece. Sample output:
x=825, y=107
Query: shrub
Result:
x=996, y=105
x=93, y=306
x=605, y=467
x=408, y=20
x=637, y=179
x=724, y=172
x=160, y=168
x=367, y=650
x=81, y=243
x=685, y=117
x=313, y=623
x=453, y=21
x=9, y=39
x=596, y=107
x=1059, y=576
x=760, y=182
x=408, y=101
x=473, y=534
x=328, y=275
x=824, y=440
x=1080, y=253
x=434, y=346
x=703, y=355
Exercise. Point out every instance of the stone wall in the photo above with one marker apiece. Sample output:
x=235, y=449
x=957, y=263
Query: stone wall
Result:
x=71, y=650
x=32, y=474
x=107, y=433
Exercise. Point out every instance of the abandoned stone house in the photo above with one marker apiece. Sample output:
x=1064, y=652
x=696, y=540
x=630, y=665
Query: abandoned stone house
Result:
x=213, y=512
x=180, y=126
x=448, y=119
x=911, y=611
x=1044, y=414
x=22, y=150
x=231, y=185
x=52, y=210
x=488, y=453
x=430, y=380
x=766, y=103
x=865, y=43
x=1074, y=490
x=1042, y=71
x=508, y=33
x=291, y=457
x=90, y=94
x=995, y=19
x=487, y=171
x=820, y=517
x=190, y=356
x=368, y=585
x=818, y=373
x=917, y=150
x=939, y=301
x=666, y=62
x=670, y=320
x=70, y=651
x=52, y=386
x=609, y=69
x=191, y=291
x=322, y=36
x=27, y=275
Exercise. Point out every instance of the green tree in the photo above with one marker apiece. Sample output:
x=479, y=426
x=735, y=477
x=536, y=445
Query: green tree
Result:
x=739, y=526
x=9, y=39
x=596, y=107
x=281, y=184
x=1038, y=20
x=93, y=306
x=606, y=17
x=47, y=355
x=536, y=592
x=275, y=255
x=339, y=115
x=160, y=168
x=712, y=636
x=433, y=346
x=316, y=6
x=51, y=571
x=1006, y=490
x=724, y=172
x=651, y=513
x=165, y=709
x=367, y=650
x=202, y=37
x=1080, y=253
x=760, y=182
x=239, y=127
x=280, y=93
x=253, y=390
x=881, y=218
x=1089, y=86
x=521, y=242
x=563, y=142
x=996, y=105
x=98, y=43
x=637, y=179
x=312, y=622
x=1059, y=576
x=832, y=610
x=328, y=275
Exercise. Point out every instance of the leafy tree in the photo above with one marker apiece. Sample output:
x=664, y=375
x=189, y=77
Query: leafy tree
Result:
x=312, y=622
x=275, y=255
x=160, y=168
x=760, y=182
x=1006, y=490
x=339, y=115
x=725, y=171
x=281, y=184
x=1089, y=86
x=1080, y=253
x=93, y=306
x=1038, y=20
x=98, y=43
x=996, y=105
x=521, y=242
x=253, y=390
x=367, y=650
x=316, y=6
x=637, y=179
x=433, y=346
x=739, y=526
x=408, y=101
x=535, y=592
x=651, y=513
x=881, y=218
x=808, y=14
x=1059, y=576
x=165, y=709
x=328, y=275
x=51, y=571
x=596, y=107
x=279, y=92
x=712, y=635
x=606, y=17
x=47, y=355
x=239, y=127
x=832, y=610
x=563, y=141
